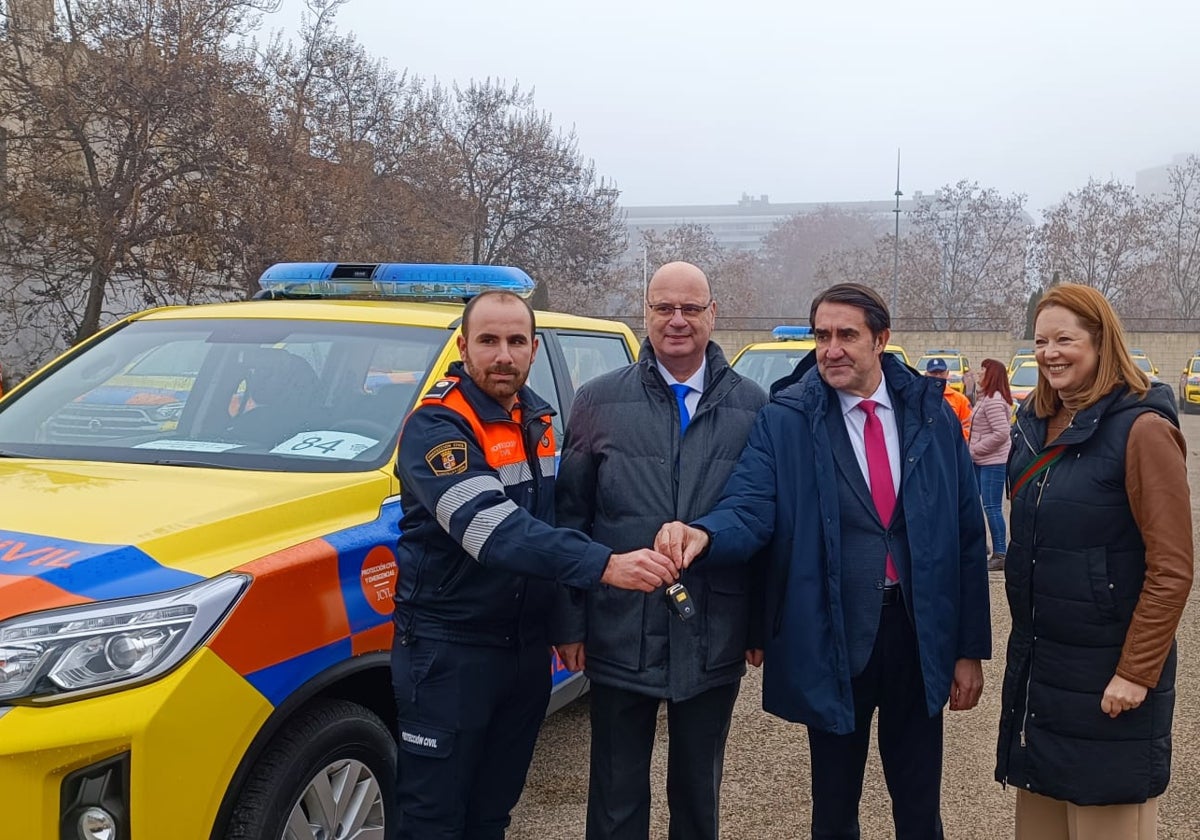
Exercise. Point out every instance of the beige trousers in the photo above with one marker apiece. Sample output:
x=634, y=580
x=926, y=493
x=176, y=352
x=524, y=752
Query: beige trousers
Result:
x=1043, y=818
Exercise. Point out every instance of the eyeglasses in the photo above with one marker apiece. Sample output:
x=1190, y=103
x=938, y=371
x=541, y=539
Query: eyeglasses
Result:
x=687, y=310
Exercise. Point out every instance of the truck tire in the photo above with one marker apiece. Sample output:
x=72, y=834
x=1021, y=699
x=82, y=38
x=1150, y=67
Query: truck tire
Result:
x=330, y=772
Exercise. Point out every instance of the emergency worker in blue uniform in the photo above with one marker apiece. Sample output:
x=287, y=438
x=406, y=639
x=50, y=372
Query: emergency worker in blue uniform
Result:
x=479, y=559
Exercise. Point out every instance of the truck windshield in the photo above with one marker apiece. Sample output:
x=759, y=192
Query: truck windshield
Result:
x=290, y=395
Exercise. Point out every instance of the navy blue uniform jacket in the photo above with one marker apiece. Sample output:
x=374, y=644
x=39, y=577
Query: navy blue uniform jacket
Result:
x=478, y=549
x=783, y=495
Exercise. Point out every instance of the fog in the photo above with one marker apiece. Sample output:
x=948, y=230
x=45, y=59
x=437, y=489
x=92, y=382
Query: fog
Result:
x=697, y=101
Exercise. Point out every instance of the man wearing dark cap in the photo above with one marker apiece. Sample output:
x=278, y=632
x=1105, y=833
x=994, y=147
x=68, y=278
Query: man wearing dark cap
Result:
x=960, y=405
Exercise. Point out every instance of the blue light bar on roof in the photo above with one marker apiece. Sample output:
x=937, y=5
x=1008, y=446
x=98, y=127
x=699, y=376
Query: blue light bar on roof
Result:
x=413, y=281
x=786, y=333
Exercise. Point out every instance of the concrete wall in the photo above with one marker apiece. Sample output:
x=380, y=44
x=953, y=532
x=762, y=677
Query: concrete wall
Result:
x=1169, y=351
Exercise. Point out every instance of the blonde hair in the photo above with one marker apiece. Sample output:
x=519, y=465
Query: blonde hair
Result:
x=1115, y=367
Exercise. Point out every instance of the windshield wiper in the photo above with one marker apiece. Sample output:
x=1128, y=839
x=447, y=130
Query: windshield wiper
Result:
x=174, y=462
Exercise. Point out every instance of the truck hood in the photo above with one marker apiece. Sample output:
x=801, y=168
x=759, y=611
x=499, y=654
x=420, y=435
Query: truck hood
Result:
x=72, y=532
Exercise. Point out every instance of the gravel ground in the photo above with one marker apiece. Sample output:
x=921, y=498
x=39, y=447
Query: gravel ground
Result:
x=765, y=794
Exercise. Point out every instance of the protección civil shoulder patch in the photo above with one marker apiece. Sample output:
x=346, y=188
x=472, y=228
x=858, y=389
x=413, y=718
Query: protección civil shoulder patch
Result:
x=448, y=458
x=440, y=389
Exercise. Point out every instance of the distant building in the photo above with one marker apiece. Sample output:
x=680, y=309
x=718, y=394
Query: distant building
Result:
x=744, y=226
x=1156, y=181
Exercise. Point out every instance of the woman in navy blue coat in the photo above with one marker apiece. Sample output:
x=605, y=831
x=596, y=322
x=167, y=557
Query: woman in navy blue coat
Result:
x=1098, y=572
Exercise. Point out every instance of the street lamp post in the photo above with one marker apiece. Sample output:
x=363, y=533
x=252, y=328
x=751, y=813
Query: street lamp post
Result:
x=645, y=271
x=896, y=241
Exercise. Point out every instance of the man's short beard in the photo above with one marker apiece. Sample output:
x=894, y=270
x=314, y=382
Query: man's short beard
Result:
x=495, y=390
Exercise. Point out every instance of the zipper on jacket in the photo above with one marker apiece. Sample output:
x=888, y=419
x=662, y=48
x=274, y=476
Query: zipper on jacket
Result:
x=455, y=574
x=704, y=407
x=1032, y=608
x=1025, y=439
x=531, y=452
x=1029, y=678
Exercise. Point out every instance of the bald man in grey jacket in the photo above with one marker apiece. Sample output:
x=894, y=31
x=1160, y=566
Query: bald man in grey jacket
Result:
x=648, y=444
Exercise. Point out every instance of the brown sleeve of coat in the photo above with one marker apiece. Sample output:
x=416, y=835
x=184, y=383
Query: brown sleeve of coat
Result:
x=1156, y=481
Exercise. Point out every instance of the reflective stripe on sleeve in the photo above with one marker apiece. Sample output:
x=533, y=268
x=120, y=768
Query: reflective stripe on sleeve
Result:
x=513, y=474
x=483, y=524
x=463, y=492
x=548, y=464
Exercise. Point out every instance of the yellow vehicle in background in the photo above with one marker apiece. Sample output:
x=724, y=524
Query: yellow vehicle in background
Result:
x=1023, y=354
x=1023, y=381
x=1143, y=361
x=766, y=362
x=195, y=605
x=1189, y=386
x=956, y=363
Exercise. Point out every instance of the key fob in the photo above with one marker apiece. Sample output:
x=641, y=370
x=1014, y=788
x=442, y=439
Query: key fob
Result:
x=681, y=601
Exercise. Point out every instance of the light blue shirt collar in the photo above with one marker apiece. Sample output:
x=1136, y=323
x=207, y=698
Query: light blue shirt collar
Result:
x=695, y=381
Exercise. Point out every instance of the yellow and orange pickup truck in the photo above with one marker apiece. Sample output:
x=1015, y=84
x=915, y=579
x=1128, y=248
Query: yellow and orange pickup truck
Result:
x=197, y=554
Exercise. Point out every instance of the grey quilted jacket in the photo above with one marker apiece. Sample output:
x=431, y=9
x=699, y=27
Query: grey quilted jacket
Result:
x=625, y=470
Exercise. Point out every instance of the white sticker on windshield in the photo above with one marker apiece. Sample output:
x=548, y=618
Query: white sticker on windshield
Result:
x=189, y=445
x=325, y=444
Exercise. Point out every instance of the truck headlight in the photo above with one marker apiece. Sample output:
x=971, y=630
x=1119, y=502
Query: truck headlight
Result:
x=57, y=654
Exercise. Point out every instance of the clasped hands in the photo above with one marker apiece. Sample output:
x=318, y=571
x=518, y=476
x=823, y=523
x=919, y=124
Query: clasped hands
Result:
x=676, y=545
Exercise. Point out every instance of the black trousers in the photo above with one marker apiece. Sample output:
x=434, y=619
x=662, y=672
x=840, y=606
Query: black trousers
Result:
x=469, y=717
x=623, y=724
x=910, y=743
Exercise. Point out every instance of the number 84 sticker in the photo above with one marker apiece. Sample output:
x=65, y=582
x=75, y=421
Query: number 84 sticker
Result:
x=325, y=444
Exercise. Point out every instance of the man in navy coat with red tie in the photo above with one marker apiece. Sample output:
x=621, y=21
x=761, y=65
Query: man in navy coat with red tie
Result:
x=857, y=482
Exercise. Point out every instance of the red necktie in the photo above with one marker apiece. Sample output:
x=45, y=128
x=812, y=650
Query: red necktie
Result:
x=883, y=493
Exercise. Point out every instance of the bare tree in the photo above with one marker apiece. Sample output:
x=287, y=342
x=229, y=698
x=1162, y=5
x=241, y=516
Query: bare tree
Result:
x=979, y=241
x=324, y=174
x=1177, y=238
x=874, y=265
x=740, y=289
x=1099, y=236
x=152, y=154
x=116, y=131
x=868, y=264
x=961, y=266
x=687, y=243
x=797, y=246
x=615, y=294
x=734, y=275
x=516, y=187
